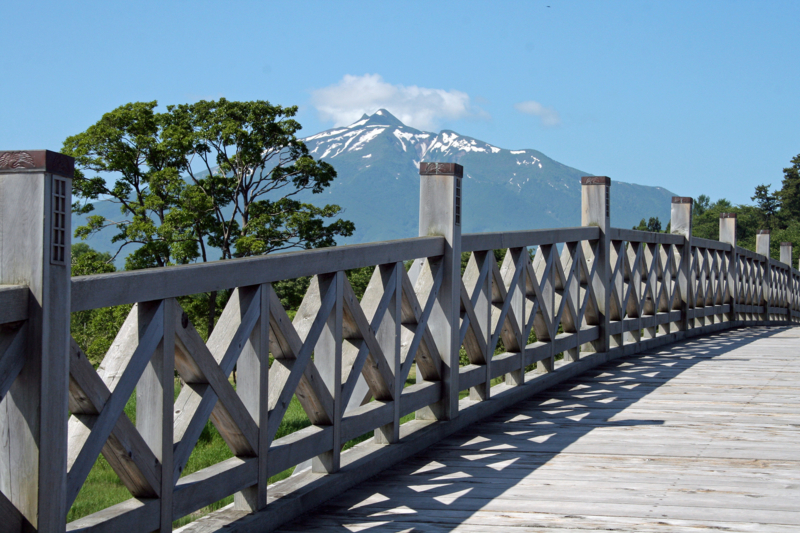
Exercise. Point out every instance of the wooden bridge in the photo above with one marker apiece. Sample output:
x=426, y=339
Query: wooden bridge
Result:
x=696, y=436
x=592, y=377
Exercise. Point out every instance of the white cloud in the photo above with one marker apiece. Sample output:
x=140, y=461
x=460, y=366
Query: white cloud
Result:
x=547, y=115
x=345, y=102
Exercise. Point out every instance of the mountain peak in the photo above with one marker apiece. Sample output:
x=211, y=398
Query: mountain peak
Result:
x=381, y=117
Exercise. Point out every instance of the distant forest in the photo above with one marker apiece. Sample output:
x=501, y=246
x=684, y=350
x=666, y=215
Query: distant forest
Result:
x=776, y=210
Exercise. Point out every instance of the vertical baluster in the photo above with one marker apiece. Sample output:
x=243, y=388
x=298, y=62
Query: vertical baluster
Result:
x=155, y=393
x=762, y=248
x=252, y=387
x=617, y=253
x=389, y=335
x=513, y=268
x=786, y=259
x=328, y=359
x=572, y=291
x=478, y=265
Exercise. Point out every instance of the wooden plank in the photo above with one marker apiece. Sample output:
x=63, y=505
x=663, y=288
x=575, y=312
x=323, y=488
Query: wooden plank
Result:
x=154, y=407
x=419, y=395
x=710, y=244
x=471, y=242
x=12, y=518
x=120, y=370
x=286, y=345
x=285, y=374
x=297, y=447
x=369, y=359
x=117, y=288
x=230, y=415
x=422, y=348
x=13, y=303
x=253, y=388
x=328, y=360
x=621, y=234
x=130, y=515
x=12, y=355
x=126, y=451
x=197, y=401
x=366, y=418
x=204, y=487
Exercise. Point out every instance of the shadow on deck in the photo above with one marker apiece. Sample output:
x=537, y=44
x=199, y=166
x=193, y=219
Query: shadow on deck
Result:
x=699, y=434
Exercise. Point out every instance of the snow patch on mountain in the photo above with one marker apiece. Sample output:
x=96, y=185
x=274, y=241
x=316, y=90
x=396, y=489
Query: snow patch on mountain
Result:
x=365, y=138
x=329, y=133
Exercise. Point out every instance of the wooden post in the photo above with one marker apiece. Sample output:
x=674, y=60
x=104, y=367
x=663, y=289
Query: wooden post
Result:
x=35, y=201
x=762, y=242
x=786, y=253
x=727, y=234
x=440, y=214
x=595, y=211
x=762, y=248
x=681, y=224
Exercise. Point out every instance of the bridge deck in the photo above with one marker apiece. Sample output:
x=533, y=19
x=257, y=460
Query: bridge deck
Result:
x=702, y=434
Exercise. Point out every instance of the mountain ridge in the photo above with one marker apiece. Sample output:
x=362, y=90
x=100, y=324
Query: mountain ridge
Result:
x=377, y=161
x=503, y=189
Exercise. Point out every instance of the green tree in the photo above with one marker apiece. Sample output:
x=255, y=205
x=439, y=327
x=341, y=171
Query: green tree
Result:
x=701, y=205
x=767, y=203
x=211, y=175
x=653, y=225
x=94, y=330
x=790, y=190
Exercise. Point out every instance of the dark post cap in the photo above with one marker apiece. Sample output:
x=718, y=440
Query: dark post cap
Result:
x=595, y=180
x=727, y=215
x=37, y=161
x=448, y=169
x=762, y=232
x=786, y=244
x=682, y=200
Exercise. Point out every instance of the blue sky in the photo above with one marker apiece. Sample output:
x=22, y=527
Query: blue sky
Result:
x=697, y=97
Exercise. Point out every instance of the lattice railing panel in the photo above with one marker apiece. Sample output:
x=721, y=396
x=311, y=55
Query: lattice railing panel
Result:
x=645, y=294
x=539, y=301
x=334, y=356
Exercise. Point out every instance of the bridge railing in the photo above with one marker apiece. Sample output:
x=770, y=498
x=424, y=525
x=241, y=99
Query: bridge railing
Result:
x=480, y=320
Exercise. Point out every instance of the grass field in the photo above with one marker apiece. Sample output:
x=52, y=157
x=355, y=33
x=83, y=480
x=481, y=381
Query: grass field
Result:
x=103, y=488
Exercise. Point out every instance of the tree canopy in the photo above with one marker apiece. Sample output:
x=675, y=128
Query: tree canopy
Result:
x=778, y=211
x=215, y=174
x=653, y=225
x=203, y=181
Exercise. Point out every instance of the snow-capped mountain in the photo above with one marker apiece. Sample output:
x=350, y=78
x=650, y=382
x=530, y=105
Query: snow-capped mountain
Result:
x=377, y=160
